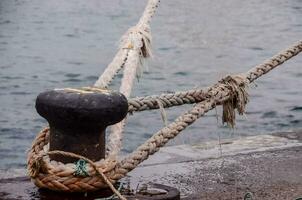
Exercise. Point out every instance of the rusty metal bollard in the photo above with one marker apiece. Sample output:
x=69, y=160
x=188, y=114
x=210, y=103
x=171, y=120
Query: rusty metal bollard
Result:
x=78, y=119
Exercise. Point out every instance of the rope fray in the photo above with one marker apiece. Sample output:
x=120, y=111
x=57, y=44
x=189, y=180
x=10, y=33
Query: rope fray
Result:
x=239, y=97
x=163, y=113
x=138, y=38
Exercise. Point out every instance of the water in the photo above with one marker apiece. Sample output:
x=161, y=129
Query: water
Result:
x=60, y=43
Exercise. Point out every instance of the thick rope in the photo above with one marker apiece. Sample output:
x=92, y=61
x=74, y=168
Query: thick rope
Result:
x=197, y=95
x=113, y=68
x=137, y=37
x=218, y=94
x=167, y=100
x=93, y=165
x=115, y=137
x=54, y=175
x=138, y=41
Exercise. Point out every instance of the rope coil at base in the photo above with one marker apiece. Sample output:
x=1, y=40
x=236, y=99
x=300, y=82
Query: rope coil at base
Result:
x=57, y=176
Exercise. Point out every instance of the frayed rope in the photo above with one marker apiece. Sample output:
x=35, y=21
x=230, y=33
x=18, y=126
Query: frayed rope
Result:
x=239, y=98
x=163, y=113
x=138, y=38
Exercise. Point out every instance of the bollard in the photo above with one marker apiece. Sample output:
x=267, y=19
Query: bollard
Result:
x=78, y=119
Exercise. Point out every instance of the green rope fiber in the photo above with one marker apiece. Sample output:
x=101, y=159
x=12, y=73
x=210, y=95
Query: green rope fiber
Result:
x=80, y=168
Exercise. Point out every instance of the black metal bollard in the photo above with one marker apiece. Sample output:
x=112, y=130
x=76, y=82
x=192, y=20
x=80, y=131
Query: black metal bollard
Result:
x=78, y=119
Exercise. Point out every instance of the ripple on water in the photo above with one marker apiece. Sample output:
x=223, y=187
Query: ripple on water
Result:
x=12, y=77
x=70, y=35
x=5, y=22
x=6, y=153
x=4, y=130
x=296, y=108
x=256, y=48
x=157, y=78
x=91, y=78
x=75, y=63
x=283, y=124
x=221, y=56
x=182, y=73
x=296, y=122
x=270, y=114
x=297, y=7
x=72, y=75
x=166, y=48
x=5, y=66
x=298, y=74
x=72, y=80
x=20, y=93
x=289, y=116
x=38, y=22
x=16, y=133
x=15, y=165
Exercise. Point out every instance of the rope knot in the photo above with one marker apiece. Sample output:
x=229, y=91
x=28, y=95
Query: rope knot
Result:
x=238, y=99
x=138, y=38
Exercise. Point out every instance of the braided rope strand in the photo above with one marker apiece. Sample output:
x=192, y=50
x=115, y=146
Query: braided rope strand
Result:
x=138, y=39
x=139, y=32
x=194, y=96
x=112, y=69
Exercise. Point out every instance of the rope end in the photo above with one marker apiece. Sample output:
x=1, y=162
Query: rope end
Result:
x=238, y=100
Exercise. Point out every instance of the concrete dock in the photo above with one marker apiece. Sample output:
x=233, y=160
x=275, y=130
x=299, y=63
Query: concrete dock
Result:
x=256, y=167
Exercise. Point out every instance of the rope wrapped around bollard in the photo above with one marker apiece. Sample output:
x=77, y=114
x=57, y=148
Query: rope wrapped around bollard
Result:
x=229, y=92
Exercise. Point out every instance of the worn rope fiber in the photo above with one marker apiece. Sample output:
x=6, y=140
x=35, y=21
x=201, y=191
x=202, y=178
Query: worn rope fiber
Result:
x=138, y=41
x=217, y=94
x=92, y=164
x=53, y=175
x=197, y=95
x=138, y=38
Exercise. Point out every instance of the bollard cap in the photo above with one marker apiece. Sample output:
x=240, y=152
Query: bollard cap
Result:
x=83, y=108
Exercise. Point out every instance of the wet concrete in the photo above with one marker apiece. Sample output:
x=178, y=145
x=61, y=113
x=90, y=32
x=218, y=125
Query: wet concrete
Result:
x=21, y=188
x=259, y=167
x=265, y=167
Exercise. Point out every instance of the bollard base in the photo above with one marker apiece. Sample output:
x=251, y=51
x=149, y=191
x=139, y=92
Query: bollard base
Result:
x=22, y=188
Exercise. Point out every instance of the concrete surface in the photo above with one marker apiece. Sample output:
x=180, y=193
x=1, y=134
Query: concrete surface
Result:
x=261, y=167
x=266, y=166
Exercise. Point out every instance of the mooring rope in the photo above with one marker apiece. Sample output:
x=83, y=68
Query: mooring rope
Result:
x=218, y=94
x=54, y=175
x=138, y=42
x=197, y=95
x=136, y=38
